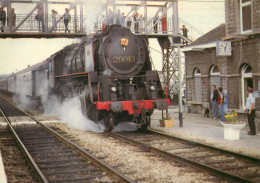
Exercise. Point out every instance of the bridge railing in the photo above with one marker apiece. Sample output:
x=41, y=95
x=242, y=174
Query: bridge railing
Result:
x=77, y=25
x=149, y=27
x=32, y=25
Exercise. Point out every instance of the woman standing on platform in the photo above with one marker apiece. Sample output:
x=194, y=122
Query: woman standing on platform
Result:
x=54, y=21
x=67, y=18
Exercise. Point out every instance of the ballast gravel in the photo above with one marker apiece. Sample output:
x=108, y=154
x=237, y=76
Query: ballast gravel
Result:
x=130, y=160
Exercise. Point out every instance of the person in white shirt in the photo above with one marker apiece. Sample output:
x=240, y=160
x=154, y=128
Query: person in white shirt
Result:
x=250, y=110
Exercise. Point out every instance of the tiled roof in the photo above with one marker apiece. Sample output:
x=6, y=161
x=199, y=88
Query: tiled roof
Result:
x=214, y=35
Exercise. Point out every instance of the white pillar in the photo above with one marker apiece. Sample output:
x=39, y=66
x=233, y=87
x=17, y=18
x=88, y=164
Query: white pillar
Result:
x=145, y=17
x=175, y=19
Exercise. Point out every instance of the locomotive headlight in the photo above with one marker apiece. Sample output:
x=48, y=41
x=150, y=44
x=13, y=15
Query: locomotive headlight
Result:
x=152, y=88
x=113, y=89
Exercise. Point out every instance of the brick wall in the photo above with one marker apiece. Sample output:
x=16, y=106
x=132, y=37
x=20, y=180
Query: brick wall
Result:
x=256, y=15
x=232, y=17
x=245, y=51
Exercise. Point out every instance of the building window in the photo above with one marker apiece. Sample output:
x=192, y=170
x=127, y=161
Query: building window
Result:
x=215, y=76
x=246, y=81
x=197, y=85
x=245, y=16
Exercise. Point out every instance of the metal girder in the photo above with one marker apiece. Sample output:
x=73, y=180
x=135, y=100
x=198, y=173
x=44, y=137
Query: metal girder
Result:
x=33, y=10
x=170, y=69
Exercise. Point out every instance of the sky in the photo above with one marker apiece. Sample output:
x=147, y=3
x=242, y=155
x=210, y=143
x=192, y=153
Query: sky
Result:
x=17, y=54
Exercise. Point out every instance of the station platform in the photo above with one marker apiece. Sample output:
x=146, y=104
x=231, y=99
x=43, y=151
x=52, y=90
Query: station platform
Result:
x=208, y=131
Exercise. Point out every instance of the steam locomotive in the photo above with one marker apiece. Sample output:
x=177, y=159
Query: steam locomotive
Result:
x=110, y=71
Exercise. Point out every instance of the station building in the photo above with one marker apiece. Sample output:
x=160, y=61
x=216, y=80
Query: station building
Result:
x=227, y=56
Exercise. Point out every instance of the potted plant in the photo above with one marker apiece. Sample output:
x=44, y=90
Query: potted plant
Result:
x=232, y=126
x=166, y=120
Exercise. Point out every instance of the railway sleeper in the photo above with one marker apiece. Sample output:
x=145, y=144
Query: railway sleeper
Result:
x=83, y=178
x=57, y=161
x=67, y=165
x=74, y=171
x=236, y=167
x=43, y=153
x=48, y=149
x=40, y=156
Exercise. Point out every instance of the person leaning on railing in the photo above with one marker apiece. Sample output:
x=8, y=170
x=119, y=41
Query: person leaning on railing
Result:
x=67, y=18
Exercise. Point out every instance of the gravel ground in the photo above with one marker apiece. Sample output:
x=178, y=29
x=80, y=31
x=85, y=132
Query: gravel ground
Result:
x=16, y=169
x=138, y=165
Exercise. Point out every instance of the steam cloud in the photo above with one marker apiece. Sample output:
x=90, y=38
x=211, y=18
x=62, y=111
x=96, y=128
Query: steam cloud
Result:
x=92, y=7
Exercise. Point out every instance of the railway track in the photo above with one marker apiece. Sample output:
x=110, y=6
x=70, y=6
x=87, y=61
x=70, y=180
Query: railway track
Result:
x=227, y=165
x=55, y=158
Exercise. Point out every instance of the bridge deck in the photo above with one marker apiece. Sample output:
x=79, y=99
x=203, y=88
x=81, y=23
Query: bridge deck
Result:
x=41, y=35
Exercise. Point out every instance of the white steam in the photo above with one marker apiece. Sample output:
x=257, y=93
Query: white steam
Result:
x=92, y=7
x=68, y=111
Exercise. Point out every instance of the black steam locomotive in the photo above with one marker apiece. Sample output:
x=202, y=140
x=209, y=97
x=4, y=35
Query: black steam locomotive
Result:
x=111, y=71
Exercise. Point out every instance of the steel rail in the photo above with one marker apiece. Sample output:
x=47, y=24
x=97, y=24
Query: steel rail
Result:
x=194, y=164
x=102, y=165
x=24, y=149
x=237, y=155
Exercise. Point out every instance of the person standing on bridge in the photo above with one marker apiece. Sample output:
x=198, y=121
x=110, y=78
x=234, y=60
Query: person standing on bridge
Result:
x=104, y=22
x=136, y=22
x=110, y=17
x=141, y=23
x=184, y=33
x=12, y=21
x=67, y=18
x=40, y=17
x=155, y=22
x=164, y=24
x=2, y=18
x=122, y=21
x=54, y=19
x=118, y=17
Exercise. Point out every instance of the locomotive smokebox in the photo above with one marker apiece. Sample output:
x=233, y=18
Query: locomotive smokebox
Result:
x=122, y=52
